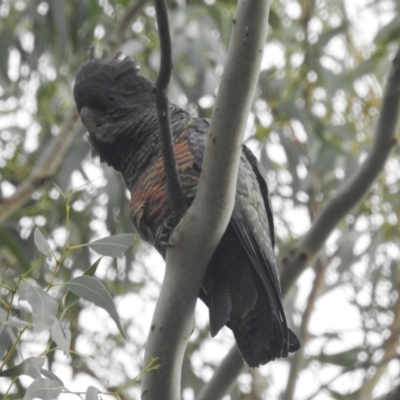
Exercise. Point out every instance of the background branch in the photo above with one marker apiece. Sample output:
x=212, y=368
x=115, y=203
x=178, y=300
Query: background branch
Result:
x=301, y=255
x=52, y=157
x=223, y=380
x=389, y=348
x=200, y=230
x=175, y=192
x=354, y=189
x=44, y=169
x=298, y=357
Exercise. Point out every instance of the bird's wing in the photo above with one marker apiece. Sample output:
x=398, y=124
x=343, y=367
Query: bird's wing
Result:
x=250, y=304
x=252, y=217
x=253, y=223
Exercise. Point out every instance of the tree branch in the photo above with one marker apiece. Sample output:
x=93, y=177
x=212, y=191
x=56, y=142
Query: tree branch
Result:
x=200, y=230
x=351, y=194
x=298, y=358
x=354, y=189
x=175, y=192
x=225, y=377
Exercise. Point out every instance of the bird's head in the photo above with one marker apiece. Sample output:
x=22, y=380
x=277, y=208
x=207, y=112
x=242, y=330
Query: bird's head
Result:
x=109, y=95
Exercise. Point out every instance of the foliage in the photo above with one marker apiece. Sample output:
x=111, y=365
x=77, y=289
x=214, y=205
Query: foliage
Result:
x=312, y=123
x=45, y=314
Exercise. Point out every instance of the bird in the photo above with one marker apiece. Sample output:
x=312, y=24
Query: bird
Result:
x=241, y=284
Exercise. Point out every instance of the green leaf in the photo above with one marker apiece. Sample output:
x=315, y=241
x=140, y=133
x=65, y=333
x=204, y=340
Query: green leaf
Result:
x=5, y=342
x=3, y=315
x=44, y=307
x=113, y=246
x=93, y=290
x=12, y=322
x=31, y=367
x=71, y=298
x=42, y=244
x=44, y=389
x=62, y=337
x=92, y=393
x=53, y=377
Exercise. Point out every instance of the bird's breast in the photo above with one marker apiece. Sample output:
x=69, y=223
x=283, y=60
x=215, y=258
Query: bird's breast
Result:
x=149, y=204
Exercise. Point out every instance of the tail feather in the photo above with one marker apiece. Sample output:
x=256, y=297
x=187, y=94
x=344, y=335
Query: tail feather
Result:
x=262, y=335
x=220, y=307
x=294, y=342
x=238, y=298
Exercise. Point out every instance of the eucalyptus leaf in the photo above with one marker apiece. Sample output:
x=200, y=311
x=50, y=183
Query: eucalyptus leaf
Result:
x=42, y=388
x=53, y=377
x=62, y=337
x=5, y=342
x=11, y=334
x=3, y=315
x=71, y=298
x=44, y=307
x=113, y=246
x=93, y=290
x=31, y=367
x=92, y=393
x=16, y=323
x=42, y=244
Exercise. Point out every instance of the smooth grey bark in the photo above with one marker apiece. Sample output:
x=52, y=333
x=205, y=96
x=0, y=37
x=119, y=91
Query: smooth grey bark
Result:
x=200, y=230
x=225, y=377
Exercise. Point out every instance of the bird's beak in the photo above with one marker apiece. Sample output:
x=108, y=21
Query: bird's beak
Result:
x=90, y=119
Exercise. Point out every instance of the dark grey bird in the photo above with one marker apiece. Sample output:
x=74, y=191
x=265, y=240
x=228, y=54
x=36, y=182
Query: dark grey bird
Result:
x=241, y=286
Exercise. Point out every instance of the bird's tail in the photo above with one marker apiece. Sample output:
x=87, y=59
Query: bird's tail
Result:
x=237, y=297
x=262, y=335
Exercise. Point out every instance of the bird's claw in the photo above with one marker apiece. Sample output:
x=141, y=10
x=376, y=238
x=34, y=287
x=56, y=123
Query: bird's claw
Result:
x=166, y=245
x=168, y=224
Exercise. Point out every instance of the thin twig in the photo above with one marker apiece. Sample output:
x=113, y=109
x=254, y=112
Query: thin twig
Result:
x=325, y=386
x=297, y=360
x=175, y=192
x=389, y=348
